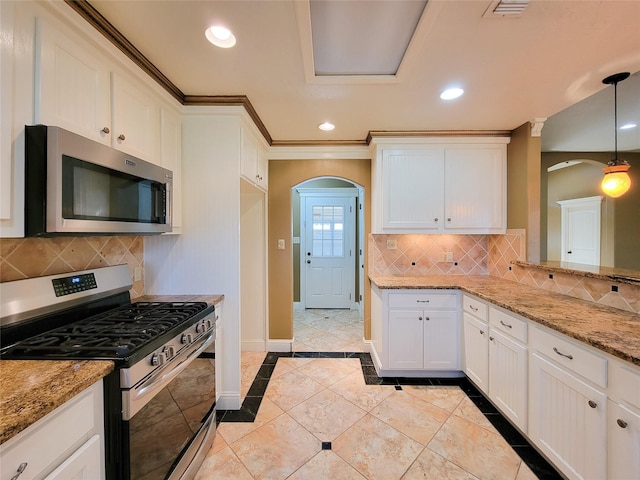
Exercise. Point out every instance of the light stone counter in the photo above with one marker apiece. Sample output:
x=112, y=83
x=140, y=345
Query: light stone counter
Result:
x=611, y=330
x=30, y=389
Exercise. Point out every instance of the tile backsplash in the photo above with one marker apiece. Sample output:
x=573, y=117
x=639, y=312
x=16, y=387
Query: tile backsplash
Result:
x=427, y=254
x=34, y=257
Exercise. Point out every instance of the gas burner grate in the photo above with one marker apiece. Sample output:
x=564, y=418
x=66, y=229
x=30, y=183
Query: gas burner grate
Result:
x=112, y=334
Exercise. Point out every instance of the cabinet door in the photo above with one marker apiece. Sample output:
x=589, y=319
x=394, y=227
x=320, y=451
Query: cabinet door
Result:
x=624, y=443
x=171, y=158
x=508, y=377
x=84, y=464
x=134, y=120
x=441, y=345
x=72, y=85
x=262, y=171
x=474, y=181
x=476, y=351
x=412, y=189
x=406, y=339
x=249, y=158
x=567, y=420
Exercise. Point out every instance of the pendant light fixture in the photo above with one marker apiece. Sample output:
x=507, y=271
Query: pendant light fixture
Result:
x=616, y=180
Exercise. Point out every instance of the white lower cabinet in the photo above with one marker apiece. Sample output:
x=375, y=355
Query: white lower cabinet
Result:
x=416, y=333
x=421, y=339
x=476, y=351
x=65, y=444
x=623, y=429
x=508, y=377
x=567, y=413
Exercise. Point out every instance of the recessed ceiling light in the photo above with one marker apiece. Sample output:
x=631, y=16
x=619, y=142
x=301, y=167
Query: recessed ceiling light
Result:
x=220, y=36
x=628, y=126
x=451, y=93
x=326, y=126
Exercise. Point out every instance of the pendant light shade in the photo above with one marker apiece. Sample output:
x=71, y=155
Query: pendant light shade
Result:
x=616, y=181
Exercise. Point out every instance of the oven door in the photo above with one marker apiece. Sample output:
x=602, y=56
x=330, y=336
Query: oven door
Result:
x=171, y=434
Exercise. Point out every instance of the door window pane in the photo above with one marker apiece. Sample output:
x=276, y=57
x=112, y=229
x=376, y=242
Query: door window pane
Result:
x=328, y=231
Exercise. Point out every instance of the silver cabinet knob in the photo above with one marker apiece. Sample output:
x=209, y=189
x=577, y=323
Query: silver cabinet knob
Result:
x=592, y=404
x=121, y=137
x=106, y=130
x=481, y=332
x=435, y=219
x=419, y=318
x=491, y=338
x=621, y=423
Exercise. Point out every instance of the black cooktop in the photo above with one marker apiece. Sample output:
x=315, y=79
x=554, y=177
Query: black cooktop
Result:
x=121, y=333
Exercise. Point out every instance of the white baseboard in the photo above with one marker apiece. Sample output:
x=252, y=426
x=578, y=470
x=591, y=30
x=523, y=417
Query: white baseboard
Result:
x=229, y=401
x=367, y=345
x=280, y=345
x=298, y=306
x=252, y=346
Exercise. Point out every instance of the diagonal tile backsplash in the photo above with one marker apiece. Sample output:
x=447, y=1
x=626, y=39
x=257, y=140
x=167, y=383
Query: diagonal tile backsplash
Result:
x=427, y=254
x=34, y=257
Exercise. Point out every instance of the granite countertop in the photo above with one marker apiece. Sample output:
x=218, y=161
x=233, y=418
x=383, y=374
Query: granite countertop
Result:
x=30, y=389
x=611, y=330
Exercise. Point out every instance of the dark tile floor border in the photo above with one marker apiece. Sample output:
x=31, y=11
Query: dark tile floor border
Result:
x=247, y=413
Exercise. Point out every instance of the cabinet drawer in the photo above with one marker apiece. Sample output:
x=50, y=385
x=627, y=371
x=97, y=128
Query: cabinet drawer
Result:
x=474, y=307
x=509, y=324
x=569, y=354
x=423, y=300
x=624, y=384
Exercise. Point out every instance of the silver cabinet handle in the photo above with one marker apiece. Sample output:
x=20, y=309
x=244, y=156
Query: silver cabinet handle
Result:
x=21, y=468
x=422, y=301
x=621, y=423
x=505, y=324
x=106, y=130
x=121, y=137
x=475, y=309
x=592, y=404
x=570, y=357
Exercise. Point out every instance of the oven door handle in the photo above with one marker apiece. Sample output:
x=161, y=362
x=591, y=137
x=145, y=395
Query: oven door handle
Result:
x=183, y=358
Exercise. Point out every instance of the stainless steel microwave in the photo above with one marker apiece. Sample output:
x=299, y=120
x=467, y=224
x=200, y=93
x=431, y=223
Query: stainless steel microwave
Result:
x=76, y=186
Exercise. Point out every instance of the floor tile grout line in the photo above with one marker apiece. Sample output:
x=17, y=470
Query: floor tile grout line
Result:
x=247, y=415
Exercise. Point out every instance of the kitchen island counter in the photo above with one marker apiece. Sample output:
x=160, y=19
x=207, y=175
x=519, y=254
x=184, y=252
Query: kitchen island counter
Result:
x=609, y=329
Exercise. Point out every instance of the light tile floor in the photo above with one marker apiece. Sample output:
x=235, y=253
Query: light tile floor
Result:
x=318, y=420
x=318, y=330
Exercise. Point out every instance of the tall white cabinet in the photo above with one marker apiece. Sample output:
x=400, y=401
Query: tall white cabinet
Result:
x=439, y=185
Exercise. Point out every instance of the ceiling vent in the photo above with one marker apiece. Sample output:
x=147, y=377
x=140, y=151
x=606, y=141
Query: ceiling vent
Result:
x=505, y=8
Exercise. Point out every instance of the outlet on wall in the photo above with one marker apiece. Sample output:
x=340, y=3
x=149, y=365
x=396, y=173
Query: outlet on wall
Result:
x=392, y=244
x=449, y=257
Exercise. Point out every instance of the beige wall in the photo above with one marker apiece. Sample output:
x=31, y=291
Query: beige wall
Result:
x=523, y=187
x=283, y=175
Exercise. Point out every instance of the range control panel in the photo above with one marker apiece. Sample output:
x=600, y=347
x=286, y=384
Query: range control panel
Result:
x=74, y=284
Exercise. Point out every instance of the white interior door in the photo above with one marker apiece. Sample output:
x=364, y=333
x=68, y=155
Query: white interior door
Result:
x=328, y=263
x=580, y=220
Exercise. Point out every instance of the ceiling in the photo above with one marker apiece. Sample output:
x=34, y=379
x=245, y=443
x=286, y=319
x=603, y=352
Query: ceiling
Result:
x=513, y=68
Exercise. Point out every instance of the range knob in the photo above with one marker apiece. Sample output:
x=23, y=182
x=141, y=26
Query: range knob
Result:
x=168, y=351
x=201, y=327
x=186, y=338
x=158, y=359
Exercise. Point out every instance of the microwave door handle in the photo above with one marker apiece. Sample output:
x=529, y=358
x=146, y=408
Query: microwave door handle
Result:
x=158, y=210
x=168, y=211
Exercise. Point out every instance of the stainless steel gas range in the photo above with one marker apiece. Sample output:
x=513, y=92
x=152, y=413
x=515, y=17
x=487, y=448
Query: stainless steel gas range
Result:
x=160, y=399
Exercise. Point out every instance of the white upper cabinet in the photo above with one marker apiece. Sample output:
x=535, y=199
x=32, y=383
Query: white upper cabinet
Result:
x=72, y=85
x=254, y=166
x=475, y=189
x=411, y=178
x=440, y=187
x=135, y=121
x=77, y=88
